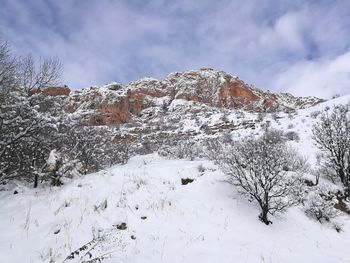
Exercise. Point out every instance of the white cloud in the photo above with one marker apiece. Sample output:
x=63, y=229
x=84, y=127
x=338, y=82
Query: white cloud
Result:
x=266, y=43
x=322, y=78
x=287, y=32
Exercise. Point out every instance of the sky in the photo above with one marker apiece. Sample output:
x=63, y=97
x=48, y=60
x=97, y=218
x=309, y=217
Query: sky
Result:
x=299, y=46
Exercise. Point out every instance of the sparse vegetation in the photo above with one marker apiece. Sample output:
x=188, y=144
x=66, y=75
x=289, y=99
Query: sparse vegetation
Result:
x=33, y=125
x=332, y=136
x=319, y=205
x=258, y=168
x=315, y=114
x=292, y=136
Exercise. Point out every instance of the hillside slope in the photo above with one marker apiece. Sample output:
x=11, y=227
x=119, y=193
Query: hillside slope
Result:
x=166, y=221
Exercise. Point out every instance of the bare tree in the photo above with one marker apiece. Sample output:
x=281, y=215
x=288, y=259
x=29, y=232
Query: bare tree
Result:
x=258, y=168
x=93, y=147
x=332, y=136
x=46, y=74
x=17, y=72
x=26, y=135
x=8, y=68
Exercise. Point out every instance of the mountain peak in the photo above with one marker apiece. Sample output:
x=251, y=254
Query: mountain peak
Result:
x=220, y=89
x=114, y=103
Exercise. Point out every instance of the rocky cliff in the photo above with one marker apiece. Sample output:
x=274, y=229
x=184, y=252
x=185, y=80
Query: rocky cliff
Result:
x=114, y=103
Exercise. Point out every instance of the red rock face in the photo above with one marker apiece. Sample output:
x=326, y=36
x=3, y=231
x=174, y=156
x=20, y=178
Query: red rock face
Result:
x=57, y=91
x=218, y=89
x=120, y=111
x=110, y=114
x=52, y=91
x=213, y=88
x=239, y=90
x=236, y=95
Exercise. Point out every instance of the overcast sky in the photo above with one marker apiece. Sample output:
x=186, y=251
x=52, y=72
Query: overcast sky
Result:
x=298, y=46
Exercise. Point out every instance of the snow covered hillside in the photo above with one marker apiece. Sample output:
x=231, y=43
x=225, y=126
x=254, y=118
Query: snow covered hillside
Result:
x=165, y=221
x=150, y=210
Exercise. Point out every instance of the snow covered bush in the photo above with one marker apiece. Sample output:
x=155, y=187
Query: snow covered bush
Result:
x=261, y=116
x=273, y=136
x=26, y=134
x=332, y=136
x=325, y=171
x=59, y=166
x=215, y=148
x=94, y=147
x=187, y=149
x=25, y=137
x=290, y=115
x=295, y=162
x=259, y=169
x=319, y=205
x=315, y=114
x=32, y=125
x=292, y=136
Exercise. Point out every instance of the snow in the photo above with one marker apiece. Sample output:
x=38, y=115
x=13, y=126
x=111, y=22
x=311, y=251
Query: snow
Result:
x=180, y=104
x=166, y=221
x=302, y=123
x=53, y=156
x=204, y=220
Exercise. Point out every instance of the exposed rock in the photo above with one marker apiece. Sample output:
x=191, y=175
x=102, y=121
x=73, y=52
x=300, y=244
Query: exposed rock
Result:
x=122, y=226
x=52, y=91
x=185, y=181
x=111, y=113
x=114, y=104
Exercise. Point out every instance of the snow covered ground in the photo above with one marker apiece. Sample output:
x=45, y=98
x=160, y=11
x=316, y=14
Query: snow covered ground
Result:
x=141, y=212
x=166, y=221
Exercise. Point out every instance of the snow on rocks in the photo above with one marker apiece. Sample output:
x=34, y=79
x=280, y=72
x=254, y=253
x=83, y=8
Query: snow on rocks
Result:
x=115, y=104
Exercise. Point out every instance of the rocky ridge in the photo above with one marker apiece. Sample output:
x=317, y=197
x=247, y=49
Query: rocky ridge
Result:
x=114, y=104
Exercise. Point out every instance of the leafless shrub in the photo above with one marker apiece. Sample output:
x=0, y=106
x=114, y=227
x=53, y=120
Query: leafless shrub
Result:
x=332, y=136
x=290, y=116
x=315, y=114
x=257, y=167
x=46, y=74
x=201, y=168
x=8, y=69
x=26, y=134
x=273, y=136
x=213, y=149
x=320, y=205
x=261, y=116
x=292, y=136
x=182, y=150
x=275, y=116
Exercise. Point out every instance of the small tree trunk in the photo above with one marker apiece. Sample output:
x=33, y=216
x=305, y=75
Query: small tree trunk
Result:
x=341, y=174
x=347, y=192
x=263, y=215
x=263, y=218
x=55, y=180
x=317, y=179
x=36, y=179
x=35, y=174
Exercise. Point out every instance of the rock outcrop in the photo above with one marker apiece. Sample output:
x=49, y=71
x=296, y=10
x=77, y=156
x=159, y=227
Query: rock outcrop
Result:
x=52, y=91
x=114, y=104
